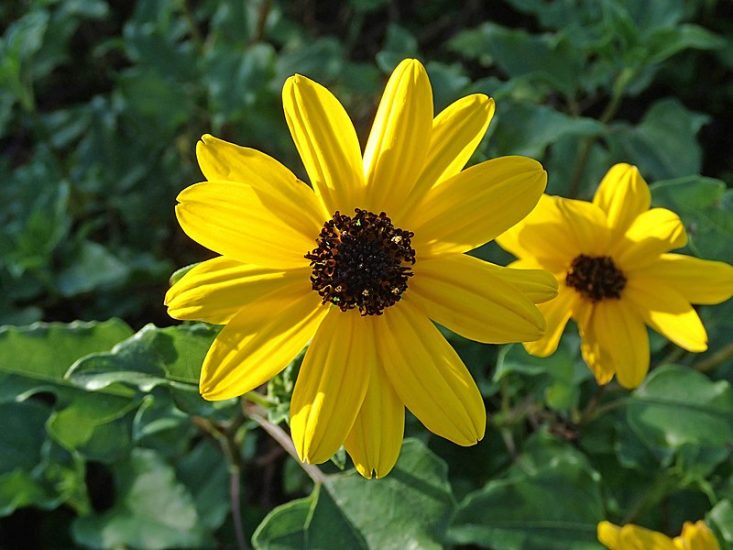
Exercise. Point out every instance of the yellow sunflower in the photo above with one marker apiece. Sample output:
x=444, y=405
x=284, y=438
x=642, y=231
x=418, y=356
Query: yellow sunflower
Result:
x=611, y=261
x=695, y=536
x=360, y=263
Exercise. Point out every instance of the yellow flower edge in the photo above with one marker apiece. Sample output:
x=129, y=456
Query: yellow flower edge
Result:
x=359, y=265
x=694, y=536
x=616, y=275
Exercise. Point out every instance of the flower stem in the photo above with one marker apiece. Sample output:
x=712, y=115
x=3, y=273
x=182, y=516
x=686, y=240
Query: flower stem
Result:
x=283, y=439
x=230, y=449
x=617, y=94
x=720, y=356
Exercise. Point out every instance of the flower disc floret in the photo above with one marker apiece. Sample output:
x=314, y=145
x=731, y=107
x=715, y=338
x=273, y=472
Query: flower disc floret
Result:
x=361, y=262
x=595, y=277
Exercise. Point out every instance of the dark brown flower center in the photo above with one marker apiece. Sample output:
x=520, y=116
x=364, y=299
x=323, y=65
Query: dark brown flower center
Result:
x=361, y=261
x=595, y=277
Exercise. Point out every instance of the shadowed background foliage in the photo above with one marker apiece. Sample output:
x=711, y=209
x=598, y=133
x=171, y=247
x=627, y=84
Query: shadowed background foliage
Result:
x=101, y=104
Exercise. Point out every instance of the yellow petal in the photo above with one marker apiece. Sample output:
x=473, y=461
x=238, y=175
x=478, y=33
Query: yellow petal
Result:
x=326, y=141
x=543, y=238
x=536, y=284
x=376, y=437
x=557, y=313
x=634, y=537
x=429, y=377
x=699, y=281
x=215, y=290
x=260, y=341
x=223, y=161
x=457, y=131
x=464, y=294
x=398, y=142
x=600, y=365
x=476, y=205
x=652, y=233
x=696, y=536
x=247, y=224
x=587, y=225
x=668, y=312
x=332, y=383
x=609, y=535
x=622, y=195
x=623, y=341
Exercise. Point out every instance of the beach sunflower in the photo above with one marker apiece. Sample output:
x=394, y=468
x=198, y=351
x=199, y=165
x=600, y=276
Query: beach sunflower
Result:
x=615, y=274
x=358, y=264
x=695, y=536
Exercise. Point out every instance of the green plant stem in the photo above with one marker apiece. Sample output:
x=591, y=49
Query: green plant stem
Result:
x=720, y=356
x=592, y=406
x=609, y=112
x=230, y=449
x=258, y=399
x=283, y=439
x=602, y=409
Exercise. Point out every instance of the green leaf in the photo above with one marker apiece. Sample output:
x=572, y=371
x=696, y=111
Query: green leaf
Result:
x=92, y=267
x=667, y=41
x=526, y=129
x=399, y=44
x=169, y=356
x=410, y=508
x=22, y=435
x=152, y=510
x=706, y=208
x=45, y=351
x=664, y=144
x=721, y=519
x=522, y=511
x=702, y=410
x=75, y=425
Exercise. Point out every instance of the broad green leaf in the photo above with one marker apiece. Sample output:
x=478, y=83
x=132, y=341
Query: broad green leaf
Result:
x=706, y=207
x=677, y=406
x=22, y=435
x=170, y=356
x=664, y=144
x=211, y=491
x=94, y=267
x=74, y=425
x=410, y=508
x=551, y=499
x=152, y=510
x=525, y=129
x=721, y=519
x=46, y=351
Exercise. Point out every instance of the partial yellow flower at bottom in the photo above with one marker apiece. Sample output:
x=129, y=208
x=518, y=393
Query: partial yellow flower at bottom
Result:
x=611, y=261
x=361, y=263
x=695, y=536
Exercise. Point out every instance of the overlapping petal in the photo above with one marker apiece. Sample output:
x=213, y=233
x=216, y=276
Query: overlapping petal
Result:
x=457, y=131
x=376, y=437
x=476, y=205
x=652, y=233
x=623, y=341
x=215, y=290
x=696, y=536
x=622, y=195
x=332, y=383
x=429, y=377
x=699, y=281
x=326, y=141
x=260, y=341
x=666, y=311
x=632, y=537
x=542, y=237
x=557, y=313
x=220, y=160
x=246, y=223
x=536, y=284
x=399, y=140
x=465, y=295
